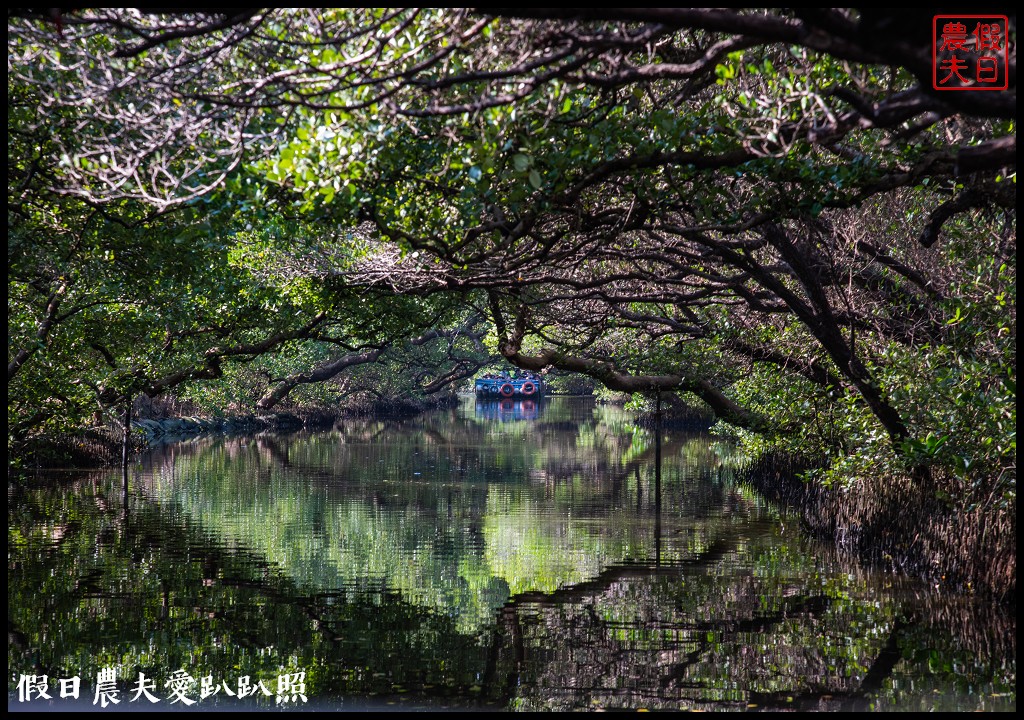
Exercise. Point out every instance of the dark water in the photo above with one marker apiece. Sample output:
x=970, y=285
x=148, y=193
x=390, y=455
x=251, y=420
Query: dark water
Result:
x=520, y=557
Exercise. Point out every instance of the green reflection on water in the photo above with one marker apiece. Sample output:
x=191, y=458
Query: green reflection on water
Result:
x=465, y=558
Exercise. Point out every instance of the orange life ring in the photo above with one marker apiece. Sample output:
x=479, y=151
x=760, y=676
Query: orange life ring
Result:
x=528, y=388
x=507, y=390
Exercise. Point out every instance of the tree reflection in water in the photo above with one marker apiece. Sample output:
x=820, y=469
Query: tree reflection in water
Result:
x=456, y=560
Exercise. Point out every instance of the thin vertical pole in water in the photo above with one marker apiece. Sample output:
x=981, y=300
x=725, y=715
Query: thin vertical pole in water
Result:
x=657, y=480
x=124, y=448
x=639, y=490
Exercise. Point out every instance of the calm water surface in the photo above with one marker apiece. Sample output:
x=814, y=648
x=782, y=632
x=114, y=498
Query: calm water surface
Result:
x=517, y=556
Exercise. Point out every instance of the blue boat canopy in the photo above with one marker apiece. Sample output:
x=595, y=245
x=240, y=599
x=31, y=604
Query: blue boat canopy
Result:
x=505, y=386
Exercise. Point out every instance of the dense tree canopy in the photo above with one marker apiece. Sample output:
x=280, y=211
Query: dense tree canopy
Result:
x=772, y=211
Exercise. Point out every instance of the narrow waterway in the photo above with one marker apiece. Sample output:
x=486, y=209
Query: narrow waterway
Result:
x=519, y=555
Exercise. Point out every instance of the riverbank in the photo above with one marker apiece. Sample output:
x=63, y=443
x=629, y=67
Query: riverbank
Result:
x=895, y=524
x=101, y=446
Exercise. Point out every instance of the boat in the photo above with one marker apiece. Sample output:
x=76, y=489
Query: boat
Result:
x=502, y=386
